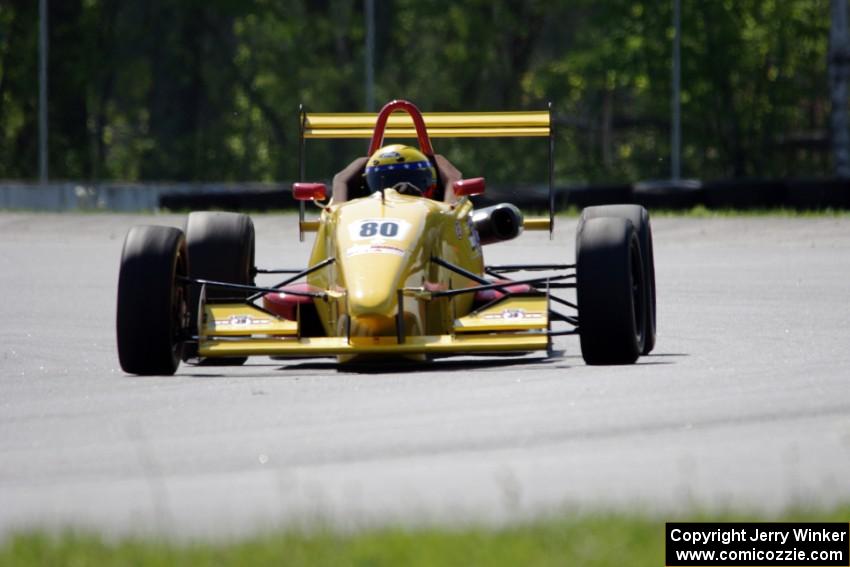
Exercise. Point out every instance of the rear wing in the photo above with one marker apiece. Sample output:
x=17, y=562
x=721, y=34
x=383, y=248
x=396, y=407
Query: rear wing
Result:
x=439, y=124
x=410, y=123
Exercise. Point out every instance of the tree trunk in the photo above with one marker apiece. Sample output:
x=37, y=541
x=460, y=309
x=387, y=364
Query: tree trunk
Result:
x=839, y=72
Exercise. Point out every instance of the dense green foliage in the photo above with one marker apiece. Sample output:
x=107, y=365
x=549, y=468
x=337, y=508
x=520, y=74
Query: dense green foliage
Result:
x=592, y=540
x=191, y=90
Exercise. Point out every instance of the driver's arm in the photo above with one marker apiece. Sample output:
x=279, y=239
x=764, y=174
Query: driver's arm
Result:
x=342, y=179
x=448, y=175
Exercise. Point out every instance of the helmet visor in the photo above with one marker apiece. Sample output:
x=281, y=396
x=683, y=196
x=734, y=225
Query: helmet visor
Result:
x=416, y=173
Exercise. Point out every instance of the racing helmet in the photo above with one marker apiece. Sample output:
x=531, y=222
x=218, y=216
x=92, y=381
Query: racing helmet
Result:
x=398, y=163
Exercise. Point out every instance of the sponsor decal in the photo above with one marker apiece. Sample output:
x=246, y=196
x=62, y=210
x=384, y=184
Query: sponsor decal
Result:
x=376, y=248
x=476, y=242
x=379, y=229
x=513, y=314
x=241, y=321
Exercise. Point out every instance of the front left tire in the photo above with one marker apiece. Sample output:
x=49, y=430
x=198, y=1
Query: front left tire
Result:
x=639, y=218
x=611, y=291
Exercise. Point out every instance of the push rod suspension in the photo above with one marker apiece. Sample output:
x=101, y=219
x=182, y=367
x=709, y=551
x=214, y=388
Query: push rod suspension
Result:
x=240, y=287
x=282, y=271
x=459, y=270
x=565, y=318
x=563, y=302
x=468, y=274
x=559, y=285
x=451, y=292
x=562, y=276
x=562, y=333
x=529, y=267
x=297, y=276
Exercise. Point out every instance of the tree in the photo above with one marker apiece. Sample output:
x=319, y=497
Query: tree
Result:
x=191, y=90
x=839, y=74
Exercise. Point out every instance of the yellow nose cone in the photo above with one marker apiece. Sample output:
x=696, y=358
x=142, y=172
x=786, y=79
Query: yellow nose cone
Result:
x=379, y=249
x=372, y=286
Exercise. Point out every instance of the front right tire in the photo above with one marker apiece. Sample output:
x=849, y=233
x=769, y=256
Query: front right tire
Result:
x=152, y=318
x=221, y=248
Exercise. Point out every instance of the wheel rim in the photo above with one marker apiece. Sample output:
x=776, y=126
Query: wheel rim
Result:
x=179, y=306
x=638, y=293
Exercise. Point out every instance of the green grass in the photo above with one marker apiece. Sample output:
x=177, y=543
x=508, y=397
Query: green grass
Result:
x=587, y=540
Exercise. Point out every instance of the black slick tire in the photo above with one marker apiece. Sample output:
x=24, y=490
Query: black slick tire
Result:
x=610, y=289
x=221, y=248
x=639, y=217
x=152, y=315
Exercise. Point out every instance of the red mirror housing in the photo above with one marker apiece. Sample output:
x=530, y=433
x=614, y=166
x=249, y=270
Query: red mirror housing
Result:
x=309, y=191
x=474, y=186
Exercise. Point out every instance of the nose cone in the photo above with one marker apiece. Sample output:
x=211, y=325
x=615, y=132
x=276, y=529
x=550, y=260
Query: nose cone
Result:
x=373, y=281
x=380, y=247
x=372, y=326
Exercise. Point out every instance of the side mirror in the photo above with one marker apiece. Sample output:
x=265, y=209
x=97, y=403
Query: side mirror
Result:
x=309, y=191
x=468, y=187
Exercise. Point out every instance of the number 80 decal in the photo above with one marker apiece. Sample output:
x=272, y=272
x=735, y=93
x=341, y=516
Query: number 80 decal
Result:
x=386, y=229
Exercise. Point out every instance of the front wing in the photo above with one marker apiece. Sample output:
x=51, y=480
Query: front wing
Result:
x=513, y=324
x=389, y=346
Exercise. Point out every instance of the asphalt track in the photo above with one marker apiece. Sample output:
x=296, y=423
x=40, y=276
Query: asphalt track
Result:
x=744, y=404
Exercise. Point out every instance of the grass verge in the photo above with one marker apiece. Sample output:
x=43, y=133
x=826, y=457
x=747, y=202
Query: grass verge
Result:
x=591, y=540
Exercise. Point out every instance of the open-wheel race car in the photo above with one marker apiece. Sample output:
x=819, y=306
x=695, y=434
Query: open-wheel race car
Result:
x=396, y=270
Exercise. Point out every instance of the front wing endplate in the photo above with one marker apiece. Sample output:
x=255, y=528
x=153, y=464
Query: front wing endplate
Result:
x=513, y=313
x=242, y=320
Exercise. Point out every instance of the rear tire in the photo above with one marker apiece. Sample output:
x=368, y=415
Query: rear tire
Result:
x=152, y=315
x=610, y=286
x=221, y=248
x=640, y=219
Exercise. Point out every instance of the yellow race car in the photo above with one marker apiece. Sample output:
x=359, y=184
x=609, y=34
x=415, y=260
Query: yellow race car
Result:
x=396, y=270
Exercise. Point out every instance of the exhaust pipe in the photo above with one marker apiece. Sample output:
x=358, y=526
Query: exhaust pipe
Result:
x=497, y=223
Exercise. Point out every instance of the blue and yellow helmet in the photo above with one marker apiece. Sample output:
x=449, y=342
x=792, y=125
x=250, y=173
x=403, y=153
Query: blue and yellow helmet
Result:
x=398, y=163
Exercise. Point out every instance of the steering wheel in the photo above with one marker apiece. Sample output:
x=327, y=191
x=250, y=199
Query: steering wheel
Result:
x=408, y=188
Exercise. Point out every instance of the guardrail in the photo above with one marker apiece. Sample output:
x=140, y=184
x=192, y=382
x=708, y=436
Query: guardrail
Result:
x=135, y=197
x=799, y=194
